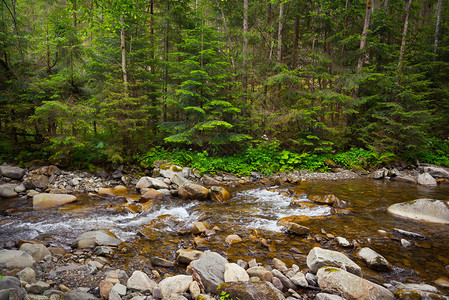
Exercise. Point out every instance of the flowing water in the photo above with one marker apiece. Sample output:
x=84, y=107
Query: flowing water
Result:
x=252, y=213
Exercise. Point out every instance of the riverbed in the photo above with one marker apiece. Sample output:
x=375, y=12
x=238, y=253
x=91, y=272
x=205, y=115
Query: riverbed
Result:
x=252, y=213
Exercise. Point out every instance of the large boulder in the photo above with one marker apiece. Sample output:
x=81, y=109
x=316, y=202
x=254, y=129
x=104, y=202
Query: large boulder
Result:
x=191, y=190
x=234, y=272
x=251, y=291
x=169, y=170
x=15, y=259
x=7, y=190
x=44, y=200
x=427, y=210
x=349, y=286
x=426, y=179
x=319, y=257
x=150, y=182
x=435, y=171
x=37, y=251
x=178, y=284
x=210, y=267
x=12, y=172
x=91, y=239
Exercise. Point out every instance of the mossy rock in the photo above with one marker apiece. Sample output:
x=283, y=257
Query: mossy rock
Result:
x=261, y=290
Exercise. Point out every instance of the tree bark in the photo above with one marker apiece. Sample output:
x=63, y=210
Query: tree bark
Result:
x=281, y=16
x=152, y=36
x=363, y=54
x=123, y=49
x=295, y=44
x=437, y=26
x=404, y=39
x=245, y=31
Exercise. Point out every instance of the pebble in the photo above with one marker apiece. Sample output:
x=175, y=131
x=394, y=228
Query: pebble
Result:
x=405, y=243
x=342, y=241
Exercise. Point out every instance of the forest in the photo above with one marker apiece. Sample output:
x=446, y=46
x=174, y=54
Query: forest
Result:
x=266, y=84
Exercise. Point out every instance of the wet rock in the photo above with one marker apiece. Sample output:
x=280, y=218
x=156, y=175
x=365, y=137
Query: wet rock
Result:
x=12, y=172
x=7, y=190
x=186, y=256
x=293, y=219
x=141, y=282
x=151, y=194
x=91, y=239
x=103, y=251
x=297, y=229
x=20, y=188
x=15, y=259
x=233, y=272
x=157, y=261
x=287, y=283
x=415, y=291
x=280, y=265
x=191, y=190
x=219, y=194
x=251, y=291
x=342, y=241
x=379, y=174
x=210, y=267
x=319, y=257
x=299, y=279
x=37, y=287
x=194, y=289
x=36, y=181
x=198, y=228
x=427, y=210
x=374, y=260
x=8, y=282
x=405, y=243
x=260, y=272
x=349, y=286
x=37, y=251
x=311, y=279
x=44, y=200
x=329, y=199
x=13, y=293
x=207, y=180
x=149, y=182
x=178, y=284
x=409, y=234
x=119, y=190
x=232, y=239
x=442, y=282
x=120, y=289
x=426, y=179
x=326, y=296
x=277, y=283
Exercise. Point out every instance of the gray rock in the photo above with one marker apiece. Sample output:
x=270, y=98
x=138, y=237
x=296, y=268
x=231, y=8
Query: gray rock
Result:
x=178, y=284
x=427, y=210
x=37, y=287
x=277, y=283
x=150, y=182
x=95, y=238
x=436, y=171
x=416, y=291
x=379, y=174
x=103, y=251
x=287, y=283
x=79, y=295
x=280, y=265
x=37, y=251
x=210, y=267
x=326, y=296
x=299, y=279
x=191, y=190
x=373, y=259
x=426, y=179
x=261, y=290
x=20, y=188
x=233, y=272
x=194, y=289
x=405, y=243
x=170, y=170
x=114, y=295
x=141, y=282
x=119, y=288
x=15, y=259
x=319, y=257
x=342, y=241
x=297, y=229
x=311, y=279
x=9, y=282
x=7, y=190
x=179, y=180
x=12, y=172
x=186, y=256
x=405, y=178
x=27, y=275
x=13, y=294
x=409, y=234
x=349, y=286
x=157, y=261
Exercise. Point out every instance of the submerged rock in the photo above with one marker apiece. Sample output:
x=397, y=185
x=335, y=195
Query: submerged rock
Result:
x=319, y=257
x=219, y=194
x=349, y=286
x=186, y=256
x=427, y=210
x=374, y=260
x=297, y=229
x=251, y=291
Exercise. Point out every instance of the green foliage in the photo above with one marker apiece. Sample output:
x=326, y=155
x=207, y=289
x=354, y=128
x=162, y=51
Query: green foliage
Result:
x=224, y=296
x=436, y=152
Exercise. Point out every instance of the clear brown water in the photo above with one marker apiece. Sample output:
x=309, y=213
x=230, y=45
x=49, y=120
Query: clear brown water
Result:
x=252, y=214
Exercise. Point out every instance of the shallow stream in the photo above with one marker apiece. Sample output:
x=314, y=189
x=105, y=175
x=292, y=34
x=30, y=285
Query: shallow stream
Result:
x=252, y=213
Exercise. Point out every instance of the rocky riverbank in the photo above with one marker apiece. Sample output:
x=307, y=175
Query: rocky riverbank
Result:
x=37, y=271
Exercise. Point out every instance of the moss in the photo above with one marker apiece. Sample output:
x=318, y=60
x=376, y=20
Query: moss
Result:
x=176, y=168
x=165, y=166
x=331, y=270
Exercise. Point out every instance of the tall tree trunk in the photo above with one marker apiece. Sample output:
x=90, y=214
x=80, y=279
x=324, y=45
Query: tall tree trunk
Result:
x=268, y=13
x=227, y=33
x=152, y=36
x=74, y=14
x=295, y=44
x=245, y=31
x=404, y=39
x=363, y=54
x=281, y=16
x=437, y=26
x=166, y=46
x=123, y=49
